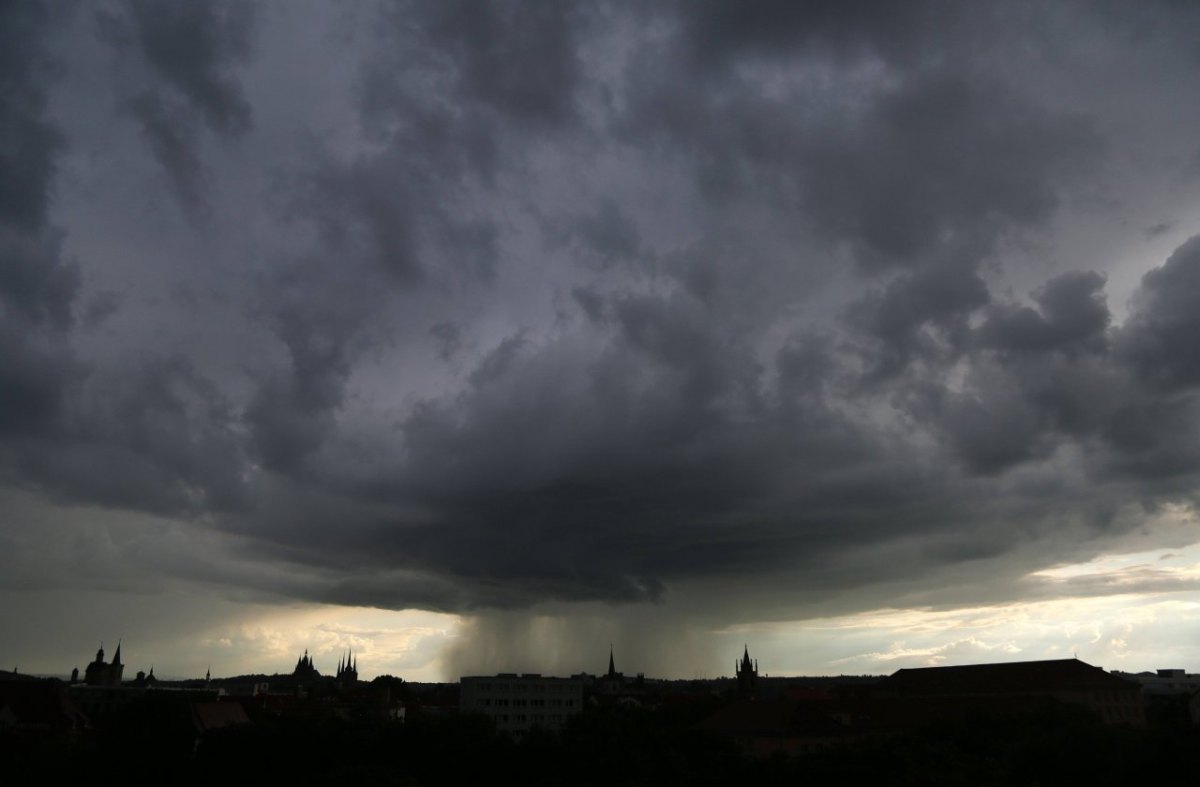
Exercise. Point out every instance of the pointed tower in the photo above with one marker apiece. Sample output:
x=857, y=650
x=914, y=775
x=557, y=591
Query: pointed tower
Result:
x=116, y=669
x=305, y=669
x=611, y=682
x=747, y=674
x=100, y=674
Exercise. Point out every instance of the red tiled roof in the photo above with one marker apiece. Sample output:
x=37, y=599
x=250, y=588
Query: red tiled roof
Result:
x=214, y=715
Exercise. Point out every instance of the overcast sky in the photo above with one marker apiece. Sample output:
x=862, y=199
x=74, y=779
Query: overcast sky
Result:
x=478, y=336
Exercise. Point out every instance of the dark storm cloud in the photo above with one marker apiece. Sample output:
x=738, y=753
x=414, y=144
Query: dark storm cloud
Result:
x=173, y=141
x=406, y=206
x=933, y=172
x=536, y=302
x=717, y=31
x=519, y=59
x=315, y=306
x=33, y=374
x=158, y=437
x=1072, y=315
x=38, y=287
x=1159, y=229
x=190, y=47
x=941, y=298
x=31, y=141
x=1043, y=376
x=1159, y=339
x=606, y=236
x=448, y=337
x=144, y=438
x=367, y=209
x=187, y=53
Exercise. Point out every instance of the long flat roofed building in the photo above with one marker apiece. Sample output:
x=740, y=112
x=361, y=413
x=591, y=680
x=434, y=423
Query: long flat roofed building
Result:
x=1113, y=699
x=518, y=703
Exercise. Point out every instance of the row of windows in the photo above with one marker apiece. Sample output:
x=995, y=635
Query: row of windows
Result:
x=528, y=688
x=504, y=702
x=1115, y=696
x=521, y=718
x=1119, y=713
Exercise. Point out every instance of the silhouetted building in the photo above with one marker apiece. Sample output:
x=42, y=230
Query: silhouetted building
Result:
x=305, y=669
x=143, y=679
x=611, y=682
x=347, y=671
x=518, y=703
x=99, y=673
x=1171, y=696
x=32, y=709
x=1113, y=699
x=747, y=674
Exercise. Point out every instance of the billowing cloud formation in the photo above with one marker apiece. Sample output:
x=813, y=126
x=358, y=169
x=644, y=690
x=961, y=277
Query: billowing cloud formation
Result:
x=470, y=308
x=174, y=65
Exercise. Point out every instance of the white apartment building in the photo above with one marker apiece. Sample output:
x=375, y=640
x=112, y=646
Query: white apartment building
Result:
x=518, y=703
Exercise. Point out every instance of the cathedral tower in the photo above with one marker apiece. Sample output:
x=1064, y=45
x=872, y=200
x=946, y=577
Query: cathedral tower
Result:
x=747, y=674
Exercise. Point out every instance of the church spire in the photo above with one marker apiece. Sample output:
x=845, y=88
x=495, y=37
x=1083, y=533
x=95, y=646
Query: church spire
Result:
x=747, y=673
x=612, y=666
x=117, y=656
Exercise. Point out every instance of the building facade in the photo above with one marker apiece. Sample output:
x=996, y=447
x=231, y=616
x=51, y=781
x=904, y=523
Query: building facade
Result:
x=518, y=703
